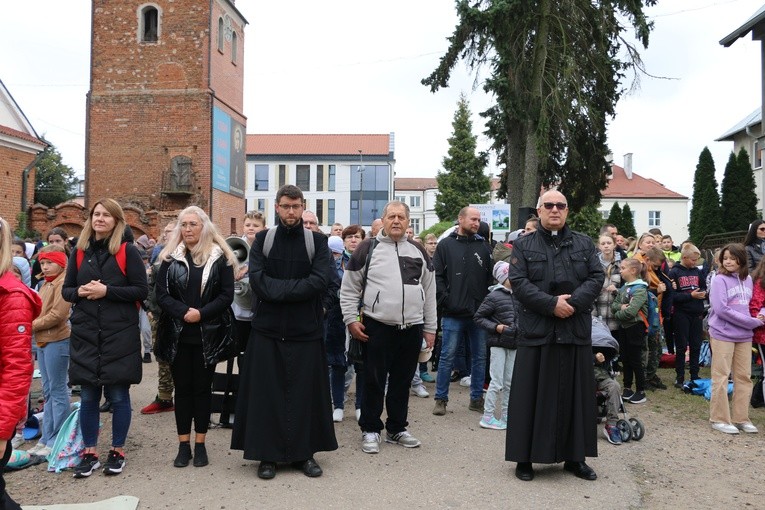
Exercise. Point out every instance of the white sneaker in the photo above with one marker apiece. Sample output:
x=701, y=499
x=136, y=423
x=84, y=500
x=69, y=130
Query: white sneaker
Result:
x=725, y=427
x=337, y=415
x=370, y=442
x=17, y=441
x=36, y=448
x=358, y=415
x=465, y=381
x=747, y=427
x=404, y=438
x=43, y=452
x=420, y=391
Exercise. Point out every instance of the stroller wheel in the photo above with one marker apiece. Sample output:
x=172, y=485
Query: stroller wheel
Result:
x=638, y=430
x=625, y=428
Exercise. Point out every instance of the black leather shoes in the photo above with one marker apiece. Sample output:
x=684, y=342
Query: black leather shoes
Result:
x=106, y=407
x=580, y=470
x=309, y=467
x=200, y=455
x=267, y=470
x=524, y=471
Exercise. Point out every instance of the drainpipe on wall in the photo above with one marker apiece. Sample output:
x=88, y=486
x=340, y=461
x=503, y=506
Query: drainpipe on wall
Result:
x=24, y=177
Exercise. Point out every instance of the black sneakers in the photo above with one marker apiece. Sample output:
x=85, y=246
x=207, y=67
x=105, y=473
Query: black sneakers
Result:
x=114, y=463
x=87, y=465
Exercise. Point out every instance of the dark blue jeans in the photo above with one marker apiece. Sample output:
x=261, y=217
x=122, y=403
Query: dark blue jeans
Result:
x=90, y=397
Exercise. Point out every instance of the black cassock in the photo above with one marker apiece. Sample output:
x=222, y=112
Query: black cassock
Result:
x=552, y=409
x=284, y=408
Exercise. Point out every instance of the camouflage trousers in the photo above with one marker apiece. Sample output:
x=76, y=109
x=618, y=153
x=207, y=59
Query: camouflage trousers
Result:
x=652, y=354
x=165, y=387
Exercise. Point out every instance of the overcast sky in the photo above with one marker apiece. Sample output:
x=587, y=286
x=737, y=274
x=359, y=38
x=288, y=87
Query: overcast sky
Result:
x=351, y=66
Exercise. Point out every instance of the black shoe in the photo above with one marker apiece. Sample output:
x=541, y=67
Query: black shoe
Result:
x=184, y=455
x=266, y=470
x=309, y=467
x=679, y=383
x=524, y=471
x=656, y=383
x=147, y=357
x=106, y=407
x=455, y=377
x=200, y=455
x=580, y=470
x=637, y=398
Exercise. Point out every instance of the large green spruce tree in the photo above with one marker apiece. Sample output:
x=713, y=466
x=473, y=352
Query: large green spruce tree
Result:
x=705, y=213
x=556, y=72
x=462, y=182
x=627, y=229
x=738, y=201
x=615, y=216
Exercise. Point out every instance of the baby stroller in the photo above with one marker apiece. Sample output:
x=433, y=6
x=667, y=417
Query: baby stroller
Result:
x=602, y=341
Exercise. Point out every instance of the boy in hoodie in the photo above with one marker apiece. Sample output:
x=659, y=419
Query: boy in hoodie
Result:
x=688, y=300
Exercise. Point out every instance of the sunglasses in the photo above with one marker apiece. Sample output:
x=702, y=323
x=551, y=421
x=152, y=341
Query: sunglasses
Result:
x=561, y=206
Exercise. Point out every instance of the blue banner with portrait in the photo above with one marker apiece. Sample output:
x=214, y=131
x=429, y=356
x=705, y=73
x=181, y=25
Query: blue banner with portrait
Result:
x=228, y=154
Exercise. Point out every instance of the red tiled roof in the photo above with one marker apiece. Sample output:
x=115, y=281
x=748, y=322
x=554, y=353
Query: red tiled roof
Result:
x=619, y=186
x=335, y=145
x=20, y=134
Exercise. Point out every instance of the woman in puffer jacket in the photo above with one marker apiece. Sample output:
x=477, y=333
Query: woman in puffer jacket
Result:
x=20, y=307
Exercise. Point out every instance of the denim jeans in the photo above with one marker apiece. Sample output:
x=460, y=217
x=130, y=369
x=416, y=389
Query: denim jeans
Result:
x=339, y=384
x=53, y=360
x=90, y=398
x=453, y=329
x=501, y=367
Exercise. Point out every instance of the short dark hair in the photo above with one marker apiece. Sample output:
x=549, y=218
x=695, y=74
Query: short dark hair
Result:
x=655, y=231
x=352, y=230
x=289, y=191
x=737, y=251
x=604, y=228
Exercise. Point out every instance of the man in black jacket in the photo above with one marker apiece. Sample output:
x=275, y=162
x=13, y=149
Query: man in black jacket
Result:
x=284, y=410
x=556, y=277
x=463, y=274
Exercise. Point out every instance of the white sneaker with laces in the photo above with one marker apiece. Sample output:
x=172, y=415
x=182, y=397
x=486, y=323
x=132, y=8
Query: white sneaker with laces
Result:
x=727, y=428
x=17, y=441
x=43, y=452
x=370, y=442
x=747, y=427
x=36, y=448
x=420, y=391
x=404, y=438
x=465, y=381
x=337, y=415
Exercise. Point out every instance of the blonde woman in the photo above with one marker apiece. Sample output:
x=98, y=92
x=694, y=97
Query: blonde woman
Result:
x=105, y=279
x=195, y=289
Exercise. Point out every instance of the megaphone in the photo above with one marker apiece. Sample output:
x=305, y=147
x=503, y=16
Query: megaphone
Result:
x=242, y=290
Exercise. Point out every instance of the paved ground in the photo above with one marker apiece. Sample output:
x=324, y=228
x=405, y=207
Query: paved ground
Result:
x=679, y=464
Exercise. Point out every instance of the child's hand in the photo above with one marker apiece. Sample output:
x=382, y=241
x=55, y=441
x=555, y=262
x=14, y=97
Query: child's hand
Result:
x=625, y=305
x=599, y=357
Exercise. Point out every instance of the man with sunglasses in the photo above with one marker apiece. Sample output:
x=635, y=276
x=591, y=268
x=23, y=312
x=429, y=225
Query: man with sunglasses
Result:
x=556, y=276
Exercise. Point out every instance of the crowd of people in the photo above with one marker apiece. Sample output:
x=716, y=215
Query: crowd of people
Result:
x=512, y=320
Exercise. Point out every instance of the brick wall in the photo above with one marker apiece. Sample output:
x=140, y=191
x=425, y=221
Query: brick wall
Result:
x=12, y=165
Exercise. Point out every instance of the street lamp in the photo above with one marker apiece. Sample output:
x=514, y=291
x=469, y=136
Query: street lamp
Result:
x=361, y=185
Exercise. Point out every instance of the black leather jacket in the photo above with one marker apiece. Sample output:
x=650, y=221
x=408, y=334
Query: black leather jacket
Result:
x=218, y=332
x=544, y=266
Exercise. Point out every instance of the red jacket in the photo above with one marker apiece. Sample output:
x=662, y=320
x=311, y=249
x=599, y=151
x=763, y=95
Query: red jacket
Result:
x=755, y=304
x=20, y=306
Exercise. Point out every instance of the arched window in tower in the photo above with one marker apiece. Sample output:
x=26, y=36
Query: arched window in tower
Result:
x=234, y=39
x=149, y=20
x=221, y=34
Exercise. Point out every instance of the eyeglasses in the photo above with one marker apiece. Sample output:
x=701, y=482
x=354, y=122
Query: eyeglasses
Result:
x=288, y=207
x=191, y=224
x=561, y=206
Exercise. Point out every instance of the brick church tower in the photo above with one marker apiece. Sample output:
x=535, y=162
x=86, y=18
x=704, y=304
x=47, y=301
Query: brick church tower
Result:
x=165, y=127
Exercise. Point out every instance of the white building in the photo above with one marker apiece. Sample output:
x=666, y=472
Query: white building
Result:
x=747, y=134
x=336, y=173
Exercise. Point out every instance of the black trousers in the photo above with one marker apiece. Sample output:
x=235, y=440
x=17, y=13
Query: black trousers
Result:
x=193, y=389
x=687, y=335
x=632, y=342
x=6, y=502
x=390, y=354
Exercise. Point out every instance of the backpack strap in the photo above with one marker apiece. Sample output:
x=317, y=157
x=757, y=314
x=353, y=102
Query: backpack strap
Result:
x=310, y=246
x=269, y=241
x=80, y=257
x=120, y=257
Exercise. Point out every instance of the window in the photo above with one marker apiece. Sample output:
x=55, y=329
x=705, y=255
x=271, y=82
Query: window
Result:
x=234, y=39
x=303, y=177
x=605, y=214
x=149, y=24
x=331, y=180
x=319, y=177
x=415, y=224
x=233, y=226
x=261, y=178
x=330, y=210
x=320, y=211
x=180, y=174
x=282, y=175
x=414, y=201
x=401, y=198
x=262, y=204
x=757, y=153
x=369, y=192
x=654, y=219
x=221, y=34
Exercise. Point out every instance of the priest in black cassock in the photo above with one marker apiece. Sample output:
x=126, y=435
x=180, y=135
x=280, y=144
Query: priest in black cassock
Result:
x=284, y=409
x=556, y=276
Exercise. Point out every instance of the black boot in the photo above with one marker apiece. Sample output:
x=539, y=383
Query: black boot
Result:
x=184, y=455
x=200, y=455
